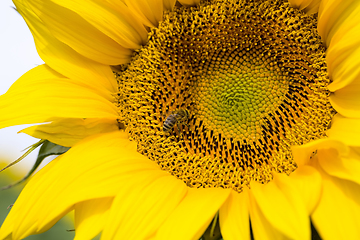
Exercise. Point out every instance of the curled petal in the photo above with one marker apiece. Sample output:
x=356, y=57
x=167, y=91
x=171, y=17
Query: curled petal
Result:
x=67, y=132
x=303, y=153
x=338, y=164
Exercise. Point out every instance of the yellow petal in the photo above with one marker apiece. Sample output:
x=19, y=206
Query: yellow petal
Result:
x=308, y=183
x=333, y=16
x=342, y=56
x=261, y=227
x=139, y=210
x=337, y=214
x=193, y=215
x=281, y=203
x=10, y=227
x=169, y=4
x=300, y=4
x=90, y=217
x=308, y=6
x=70, y=30
x=335, y=157
x=41, y=96
x=67, y=132
x=346, y=100
x=149, y=11
x=346, y=130
x=234, y=216
x=345, y=166
x=98, y=167
x=313, y=7
x=302, y=154
x=119, y=24
x=69, y=63
x=90, y=19
x=189, y=2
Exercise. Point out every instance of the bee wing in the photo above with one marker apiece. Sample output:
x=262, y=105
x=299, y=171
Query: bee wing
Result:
x=167, y=113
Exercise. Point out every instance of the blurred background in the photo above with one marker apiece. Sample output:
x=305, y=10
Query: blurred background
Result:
x=17, y=56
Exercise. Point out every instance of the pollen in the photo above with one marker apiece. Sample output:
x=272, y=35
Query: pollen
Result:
x=253, y=79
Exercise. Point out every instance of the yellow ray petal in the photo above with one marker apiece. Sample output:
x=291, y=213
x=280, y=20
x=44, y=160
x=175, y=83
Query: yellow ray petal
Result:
x=313, y=7
x=99, y=166
x=119, y=24
x=308, y=6
x=334, y=156
x=193, y=215
x=337, y=214
x=67, y=132
x=300, y=4
x=346, y=130
x=139, y=210
x=69, y=63
x=346, y=100
x=234, y=216
x=149, y=11
x=339, y=165
x=90, y=217
x=308, y=183
x=282, y=205
x=342, y=56
x=260, y=225
x=189, y=2
x=40, y=96
x=333, y=16
x=11, y=231
x=71, y=30
x=303, y=153
x=169, y=4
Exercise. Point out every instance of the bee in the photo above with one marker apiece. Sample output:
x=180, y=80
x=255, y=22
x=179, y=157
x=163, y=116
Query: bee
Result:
x=176, y=117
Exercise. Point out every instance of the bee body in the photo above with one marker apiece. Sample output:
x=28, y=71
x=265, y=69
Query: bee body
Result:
x=175, y=117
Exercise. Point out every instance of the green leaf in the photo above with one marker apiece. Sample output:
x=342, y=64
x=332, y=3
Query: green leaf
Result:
x=47, y=149
x=31, y=148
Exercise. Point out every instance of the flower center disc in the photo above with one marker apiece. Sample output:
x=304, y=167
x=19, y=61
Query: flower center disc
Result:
x=251, y=76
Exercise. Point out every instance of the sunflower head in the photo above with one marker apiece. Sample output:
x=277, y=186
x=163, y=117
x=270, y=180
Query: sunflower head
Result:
x=252, y=77
x=217, y=97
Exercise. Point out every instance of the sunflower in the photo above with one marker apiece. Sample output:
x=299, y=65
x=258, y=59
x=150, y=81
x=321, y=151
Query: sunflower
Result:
x=192, y=119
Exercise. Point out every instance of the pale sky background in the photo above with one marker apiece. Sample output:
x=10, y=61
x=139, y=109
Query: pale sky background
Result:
x=17, y=56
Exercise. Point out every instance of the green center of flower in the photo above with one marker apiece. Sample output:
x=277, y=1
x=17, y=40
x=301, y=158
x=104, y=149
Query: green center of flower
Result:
x=236, y=94
x=223, y=90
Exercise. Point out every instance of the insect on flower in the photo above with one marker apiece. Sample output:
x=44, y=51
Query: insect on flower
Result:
x=178, y=116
